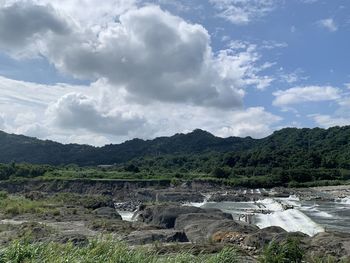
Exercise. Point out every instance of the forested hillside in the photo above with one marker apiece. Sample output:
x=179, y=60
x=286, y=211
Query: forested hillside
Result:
x=289, y=156
x=287, y=148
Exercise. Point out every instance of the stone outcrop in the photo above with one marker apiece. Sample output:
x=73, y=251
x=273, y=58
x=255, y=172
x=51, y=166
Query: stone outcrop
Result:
x=151, y=236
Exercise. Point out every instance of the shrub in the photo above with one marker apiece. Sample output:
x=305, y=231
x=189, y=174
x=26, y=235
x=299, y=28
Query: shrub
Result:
x=285, y=252
x=221, y=173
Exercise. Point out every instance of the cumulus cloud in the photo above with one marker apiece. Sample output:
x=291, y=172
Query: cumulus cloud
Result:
x=339, y=117
x=21, y=24
x=305, y=94
x=78, y=111
x=255, y=122
x=152, y=74
x=82, y=115
x=150, y=53
x=328, y=24
x=154, y=56
x=242, y=12
x=327, y=121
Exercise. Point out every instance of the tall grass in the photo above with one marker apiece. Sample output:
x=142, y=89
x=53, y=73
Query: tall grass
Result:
x=107, y=251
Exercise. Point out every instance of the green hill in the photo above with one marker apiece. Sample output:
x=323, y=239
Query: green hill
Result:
x=286, y=148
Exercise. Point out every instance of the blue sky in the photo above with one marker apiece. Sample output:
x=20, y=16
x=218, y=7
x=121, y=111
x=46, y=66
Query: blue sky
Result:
x=89, y=72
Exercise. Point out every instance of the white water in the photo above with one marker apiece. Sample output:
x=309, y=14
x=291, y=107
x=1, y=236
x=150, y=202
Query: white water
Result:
x=126, y=216
x=200, y=204
x=345, y=200
x=291, y=220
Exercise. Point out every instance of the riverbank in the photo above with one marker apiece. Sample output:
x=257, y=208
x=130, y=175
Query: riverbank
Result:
x=133, y=212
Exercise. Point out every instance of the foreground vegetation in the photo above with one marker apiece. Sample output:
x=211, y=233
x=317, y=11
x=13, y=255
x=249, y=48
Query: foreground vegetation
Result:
x=111, y=251
x=103, y=252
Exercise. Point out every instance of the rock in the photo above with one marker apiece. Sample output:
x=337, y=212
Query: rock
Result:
x=186, y=219
x=111, y=226
x=129, y=206
x=334, y=244
x=94, y=202
x=227, y=237
x=283, y=236
x=233, y=197
x=263, y=237
x=164, y=215
x=108, y=213
x=202, y=230
x=78, y=240
x=151, y=236
x=179, y=196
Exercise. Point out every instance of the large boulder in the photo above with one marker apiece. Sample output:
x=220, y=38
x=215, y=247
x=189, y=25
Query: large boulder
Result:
x=164, y=215
x=303, y=238
x=150, y=236
x=232, y=197
x=263, y=237
x=179, y=196
x=187, y=219
x=201, y=231
x=107, y=213
x=334, y=244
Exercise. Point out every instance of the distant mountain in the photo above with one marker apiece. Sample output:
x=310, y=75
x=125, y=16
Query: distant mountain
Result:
x=333, y=143
x=21, y=148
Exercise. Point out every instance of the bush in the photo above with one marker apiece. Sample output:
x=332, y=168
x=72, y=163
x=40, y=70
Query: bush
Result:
x=221, y=173
x=286, y=252
x=3, y=195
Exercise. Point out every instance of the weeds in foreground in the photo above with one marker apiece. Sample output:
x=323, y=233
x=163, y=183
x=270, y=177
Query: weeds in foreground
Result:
x=286, y=252
x=107, y=251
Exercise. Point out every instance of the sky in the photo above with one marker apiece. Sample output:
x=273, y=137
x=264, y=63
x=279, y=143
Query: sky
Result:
x=101, y=72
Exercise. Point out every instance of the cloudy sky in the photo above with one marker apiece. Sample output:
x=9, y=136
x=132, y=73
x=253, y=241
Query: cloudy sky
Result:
x=99, y=72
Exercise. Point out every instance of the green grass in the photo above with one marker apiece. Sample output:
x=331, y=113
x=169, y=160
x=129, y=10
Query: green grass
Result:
x=17, y=205
x=107, y=251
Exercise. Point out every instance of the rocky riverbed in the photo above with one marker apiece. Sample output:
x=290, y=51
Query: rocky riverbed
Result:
x=177, y=217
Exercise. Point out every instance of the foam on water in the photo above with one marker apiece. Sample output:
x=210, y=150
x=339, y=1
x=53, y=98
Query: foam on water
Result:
x=345, y=200
x=126, y=216
x=291, y=220
x=200, y=204
x=271, y=204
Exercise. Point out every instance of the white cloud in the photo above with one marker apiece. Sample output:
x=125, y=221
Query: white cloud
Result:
x=23, y=24
x=152, y=74
x=305, y=94
x=155, y=56
x=292, y=77
x=273, y=44
x=99, y=115
x=255, y=122
x=327, y=121
x=87, y=12
x=242, y=12
x=77, y=111
x=328, y=24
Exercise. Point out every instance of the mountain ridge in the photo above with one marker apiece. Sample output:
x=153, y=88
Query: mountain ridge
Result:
x=20, y=148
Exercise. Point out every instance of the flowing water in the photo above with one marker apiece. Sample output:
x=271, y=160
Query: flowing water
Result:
x=309, y=217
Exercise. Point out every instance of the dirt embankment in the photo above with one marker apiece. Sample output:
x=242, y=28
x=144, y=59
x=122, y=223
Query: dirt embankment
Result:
x=82, y=186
